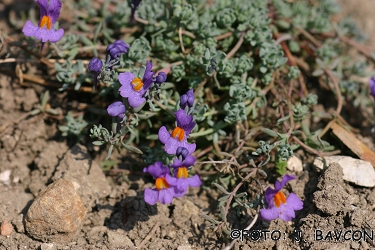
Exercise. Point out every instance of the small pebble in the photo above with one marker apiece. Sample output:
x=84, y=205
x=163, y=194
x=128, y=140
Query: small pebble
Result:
x=6, y=228
x=5, y=176
x=294, y=164
x=47, y=246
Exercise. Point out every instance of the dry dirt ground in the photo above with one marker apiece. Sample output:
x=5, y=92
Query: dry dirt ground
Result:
x=33, y=155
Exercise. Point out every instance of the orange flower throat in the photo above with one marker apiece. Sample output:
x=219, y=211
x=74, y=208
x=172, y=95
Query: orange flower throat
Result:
x=178, y=132
x=46, y=21
x=161, y=183
x=137, y=84
x=182, y=172
x=279, y=198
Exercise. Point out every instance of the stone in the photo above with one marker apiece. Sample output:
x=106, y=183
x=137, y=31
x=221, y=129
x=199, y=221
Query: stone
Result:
x=18, y=224
x=47, y=246
x=294, y=164
x=119, y=239
x=356, y=171
x=5, y=176
x=6, y=228
x=57, y=213
x=86, y=175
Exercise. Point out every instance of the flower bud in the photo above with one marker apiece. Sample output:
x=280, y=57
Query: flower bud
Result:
x=95, y=65
x=117, y=48
x=187, y=99
x=161, y=77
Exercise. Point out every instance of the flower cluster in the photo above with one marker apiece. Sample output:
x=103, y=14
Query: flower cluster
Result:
x=114, y=52
x=278, y=205
x=175, y=185
x=45, y=29
x=133, y=89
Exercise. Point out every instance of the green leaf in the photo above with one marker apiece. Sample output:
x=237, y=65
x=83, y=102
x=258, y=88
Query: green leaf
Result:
x=283, y=119
x=131, y=148
x=222, y=189
x=152, y=137
x=52, y=111
x=269, y=132
x=318, y=72
x=224, y=198
x=45, y=99
x=35, y=112
x=98, y=143
x=109, y=152
x=63, y=128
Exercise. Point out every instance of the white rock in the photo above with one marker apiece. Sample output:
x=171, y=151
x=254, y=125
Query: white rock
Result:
x=5, y=176
x=294, y=164
x=47, y=246
x=184, y=247
x=356, y=171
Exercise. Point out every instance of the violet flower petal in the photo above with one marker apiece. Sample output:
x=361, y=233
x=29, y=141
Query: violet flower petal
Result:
x=286, y=178
x=195, y=181
x=269, y=214
x=49, y=35
x=151, y=196
x=136, y=100
x=29, y=29
x=54, y=10
x=172, y=144
x=163, y=135
x=116, y=109
x=148, y=76
x=184, y=121
x=43, y=6
x=166, y=195
x=294, y=202
x=157, y=170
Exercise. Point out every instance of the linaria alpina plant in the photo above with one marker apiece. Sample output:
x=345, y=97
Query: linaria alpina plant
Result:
x=226, y=88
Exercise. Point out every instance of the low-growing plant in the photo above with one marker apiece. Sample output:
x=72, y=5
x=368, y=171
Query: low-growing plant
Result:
x=239, y=79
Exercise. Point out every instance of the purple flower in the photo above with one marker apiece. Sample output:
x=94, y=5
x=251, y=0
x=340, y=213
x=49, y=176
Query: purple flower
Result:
x=134, y=88
x=178, y=137
x=117, y=48
x=95, y=66
x=278, y=205
x=161, y=77
x=181, y=179
x=372, y=86
x=117, y=109
x=163, y=191
x=187, y=100
x=48, y=15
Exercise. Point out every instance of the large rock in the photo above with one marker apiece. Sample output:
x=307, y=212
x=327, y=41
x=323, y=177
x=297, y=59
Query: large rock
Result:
x=86, y=175
x=356, y=171
x=56, y=214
